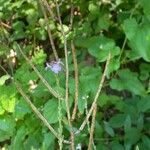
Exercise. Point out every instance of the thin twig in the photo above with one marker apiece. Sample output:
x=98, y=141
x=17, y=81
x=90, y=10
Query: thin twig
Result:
x=76, y=81
x=49, y=31
x=49, y=9
x=51, y=90
x=67, y=76
x=96, y=96
x=37, y=112
x=92, y=127
x=71, y=15
x=4, y=25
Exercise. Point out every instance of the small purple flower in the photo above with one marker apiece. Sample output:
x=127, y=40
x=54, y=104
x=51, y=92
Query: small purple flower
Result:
x=54, y=66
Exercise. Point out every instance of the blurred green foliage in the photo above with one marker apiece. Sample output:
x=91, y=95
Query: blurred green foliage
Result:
x=120, y=27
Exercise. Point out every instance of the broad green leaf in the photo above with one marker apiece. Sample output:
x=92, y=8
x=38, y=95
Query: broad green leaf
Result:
x=8, y=98
x=132, y=136
x=146, y=7
x=7, y=127
x=142, y=36
x=144, y=71
x=21, y=109
x=130, y=27
x=48, y=141
x=99, y=47
x=116, y=146
x=18, y=140
x=109, y=129
x=128, y=81
x=117, y=120
x=51, y=111
x=103, y=22
x=3, y=79
x=144, y=104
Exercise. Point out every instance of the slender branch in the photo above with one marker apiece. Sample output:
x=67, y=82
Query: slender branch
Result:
x=49, y=9
x=67, y=76
x=71, y=15
x=92, y=127
x=53, y=92
x=76, y=81
x=96, y=96
x=4, y=25
x=37, y=112
x=49, y=31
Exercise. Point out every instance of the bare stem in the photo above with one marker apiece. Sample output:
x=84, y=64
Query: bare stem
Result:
x=76, y=81
x=66, y=75
x=96, y=96
x=49, y=31
x=92, y=127
x=37, y=112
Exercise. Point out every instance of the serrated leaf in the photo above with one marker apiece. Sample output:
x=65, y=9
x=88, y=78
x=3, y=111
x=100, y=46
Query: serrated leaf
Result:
x=50, y=111
x=128, y=81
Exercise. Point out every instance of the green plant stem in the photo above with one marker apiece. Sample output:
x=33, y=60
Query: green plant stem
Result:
x=76, y=81
x=67, y=76
x=92, y=128
x=37, y=112
x=96, y=96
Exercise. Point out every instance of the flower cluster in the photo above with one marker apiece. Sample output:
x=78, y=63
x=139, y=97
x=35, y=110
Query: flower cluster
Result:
x=54, y=66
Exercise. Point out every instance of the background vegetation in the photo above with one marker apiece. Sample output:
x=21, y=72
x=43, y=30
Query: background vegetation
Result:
x=99, y=99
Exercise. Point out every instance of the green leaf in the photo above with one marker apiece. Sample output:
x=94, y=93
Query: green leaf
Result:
x=128, y=81
x=3, y=79
x=7, y=127
x=144, y=71
x=132, y=135
x=127, y=123
x=19, y=138
x=21, y=109
x=117, y=120
x=116, y=146
x=146, y=7
x=39, y=57
x=109, y=129
x=144, y=104
x=51, y=111
x=130, y=27
x=99, y=47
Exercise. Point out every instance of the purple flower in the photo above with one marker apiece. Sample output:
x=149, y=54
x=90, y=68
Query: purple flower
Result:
x=54, y=66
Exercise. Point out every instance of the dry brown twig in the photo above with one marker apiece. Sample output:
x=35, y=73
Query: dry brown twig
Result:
x=76, y=81
x=66, y=75
x=92, y=128
x=49, y=31
x=96, y=96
